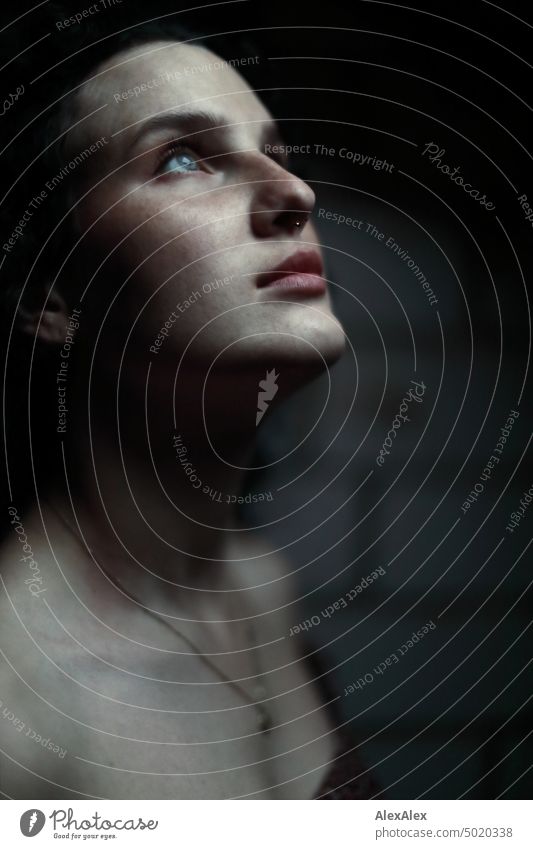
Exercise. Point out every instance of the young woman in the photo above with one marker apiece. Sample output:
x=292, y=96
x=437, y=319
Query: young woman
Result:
x=145, y=630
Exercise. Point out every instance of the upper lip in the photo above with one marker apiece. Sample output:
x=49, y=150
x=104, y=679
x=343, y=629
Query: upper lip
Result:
x=300, y=262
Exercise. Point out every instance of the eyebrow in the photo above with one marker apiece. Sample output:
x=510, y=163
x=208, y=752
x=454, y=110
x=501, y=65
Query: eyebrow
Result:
x=191, y=120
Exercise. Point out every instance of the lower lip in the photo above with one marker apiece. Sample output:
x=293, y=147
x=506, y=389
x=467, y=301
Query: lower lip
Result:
x=299, y=284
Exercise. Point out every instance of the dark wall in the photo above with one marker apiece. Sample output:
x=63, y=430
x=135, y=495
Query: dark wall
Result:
x=450, y=717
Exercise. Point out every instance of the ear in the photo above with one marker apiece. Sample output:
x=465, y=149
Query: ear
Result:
x=49, y=322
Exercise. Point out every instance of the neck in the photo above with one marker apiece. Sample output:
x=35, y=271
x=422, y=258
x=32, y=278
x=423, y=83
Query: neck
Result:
x=160, y=511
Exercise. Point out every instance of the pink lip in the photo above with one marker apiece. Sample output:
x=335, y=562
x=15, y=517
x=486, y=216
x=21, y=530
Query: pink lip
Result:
x=299, y=284
x=300, y=272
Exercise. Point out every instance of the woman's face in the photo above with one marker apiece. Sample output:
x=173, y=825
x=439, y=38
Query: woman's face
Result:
x=190, y=216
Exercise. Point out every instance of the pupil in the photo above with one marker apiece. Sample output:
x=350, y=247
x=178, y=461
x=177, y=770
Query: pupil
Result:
x=184, y=161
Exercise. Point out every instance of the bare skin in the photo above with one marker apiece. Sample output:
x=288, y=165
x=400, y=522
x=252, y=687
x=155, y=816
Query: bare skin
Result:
x=62, y=678
x=96, y=673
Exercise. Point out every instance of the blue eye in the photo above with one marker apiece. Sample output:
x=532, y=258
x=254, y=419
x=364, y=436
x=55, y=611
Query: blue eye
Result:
x=178, y=160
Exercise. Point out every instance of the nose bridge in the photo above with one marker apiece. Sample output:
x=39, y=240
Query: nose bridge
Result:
x=277, y=194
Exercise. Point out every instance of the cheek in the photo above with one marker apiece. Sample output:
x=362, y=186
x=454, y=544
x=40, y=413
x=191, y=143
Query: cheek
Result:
x=188, y=235
x=181, y=221
x=188, y=259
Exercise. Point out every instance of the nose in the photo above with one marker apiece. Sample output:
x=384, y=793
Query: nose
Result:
x=282, y=203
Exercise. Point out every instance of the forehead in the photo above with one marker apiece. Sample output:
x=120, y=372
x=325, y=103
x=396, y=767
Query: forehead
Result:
x=148, y=79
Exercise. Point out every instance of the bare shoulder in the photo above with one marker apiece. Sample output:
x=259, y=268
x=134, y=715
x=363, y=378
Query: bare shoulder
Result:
x=271, y=579
x=259, y=564
x=35, y=740
x=37, y=695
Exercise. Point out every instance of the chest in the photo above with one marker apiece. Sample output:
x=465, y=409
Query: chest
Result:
x=165, y=724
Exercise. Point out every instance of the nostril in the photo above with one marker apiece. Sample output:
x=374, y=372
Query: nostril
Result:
x=293, y=220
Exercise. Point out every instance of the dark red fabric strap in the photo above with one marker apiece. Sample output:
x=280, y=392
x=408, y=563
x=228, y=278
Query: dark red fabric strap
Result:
x=348, y=777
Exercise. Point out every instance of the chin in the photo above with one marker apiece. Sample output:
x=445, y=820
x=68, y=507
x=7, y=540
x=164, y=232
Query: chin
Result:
x=313, y=342
x=308, y=336
x=309, y=340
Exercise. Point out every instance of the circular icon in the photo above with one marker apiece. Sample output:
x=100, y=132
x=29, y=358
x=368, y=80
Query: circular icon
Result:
x=31, y=822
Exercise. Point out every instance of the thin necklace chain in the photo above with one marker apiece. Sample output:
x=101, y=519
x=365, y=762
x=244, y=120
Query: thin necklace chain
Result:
x=264, y=718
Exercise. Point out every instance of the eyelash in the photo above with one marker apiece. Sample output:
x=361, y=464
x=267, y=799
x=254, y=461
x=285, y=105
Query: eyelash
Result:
x=175, y=147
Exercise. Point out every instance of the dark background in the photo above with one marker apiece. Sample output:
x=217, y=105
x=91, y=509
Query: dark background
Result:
x=453, y=718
